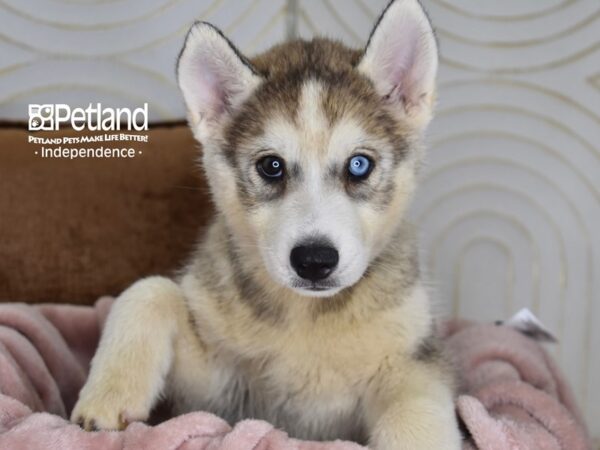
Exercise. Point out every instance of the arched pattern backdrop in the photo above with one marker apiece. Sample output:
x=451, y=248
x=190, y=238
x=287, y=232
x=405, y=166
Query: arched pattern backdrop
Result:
x=119, y=52
x=509, y=204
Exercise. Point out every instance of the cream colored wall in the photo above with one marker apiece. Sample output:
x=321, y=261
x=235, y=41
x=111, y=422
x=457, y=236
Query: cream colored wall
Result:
x=119, y=52
x=510, y=204
x=510, y=200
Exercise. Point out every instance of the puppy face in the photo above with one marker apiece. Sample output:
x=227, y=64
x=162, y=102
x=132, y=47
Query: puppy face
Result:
x=311, y=149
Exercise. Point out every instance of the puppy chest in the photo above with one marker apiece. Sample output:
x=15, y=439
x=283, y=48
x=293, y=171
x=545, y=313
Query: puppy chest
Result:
x=308, y=401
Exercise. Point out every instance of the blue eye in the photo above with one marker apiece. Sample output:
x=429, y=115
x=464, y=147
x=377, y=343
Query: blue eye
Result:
x=359, y=166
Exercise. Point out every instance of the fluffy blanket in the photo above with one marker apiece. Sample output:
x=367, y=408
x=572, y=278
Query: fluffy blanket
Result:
x=512, y=395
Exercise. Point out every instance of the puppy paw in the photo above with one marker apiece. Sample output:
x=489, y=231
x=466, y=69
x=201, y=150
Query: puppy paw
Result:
x=109, y=407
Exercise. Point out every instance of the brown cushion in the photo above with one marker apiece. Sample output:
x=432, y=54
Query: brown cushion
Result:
x=72, y=230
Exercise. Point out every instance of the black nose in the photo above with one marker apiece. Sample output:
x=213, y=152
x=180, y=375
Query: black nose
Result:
x=314, y=262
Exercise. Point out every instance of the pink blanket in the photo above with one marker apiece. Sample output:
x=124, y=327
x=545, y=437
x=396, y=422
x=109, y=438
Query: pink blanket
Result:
x=513, y=396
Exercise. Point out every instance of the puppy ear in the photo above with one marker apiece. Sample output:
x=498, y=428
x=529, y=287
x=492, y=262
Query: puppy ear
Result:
x=401, y=59
x=213, y=75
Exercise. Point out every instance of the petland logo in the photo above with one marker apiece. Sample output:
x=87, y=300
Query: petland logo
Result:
x=95, y=118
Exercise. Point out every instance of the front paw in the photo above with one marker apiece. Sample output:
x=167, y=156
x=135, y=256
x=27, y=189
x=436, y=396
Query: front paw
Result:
x=109, y=406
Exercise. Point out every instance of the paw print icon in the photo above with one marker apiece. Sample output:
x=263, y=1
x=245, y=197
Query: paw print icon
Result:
x=41, y=117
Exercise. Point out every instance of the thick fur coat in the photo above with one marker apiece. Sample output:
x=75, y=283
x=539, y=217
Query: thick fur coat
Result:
x=303, y=304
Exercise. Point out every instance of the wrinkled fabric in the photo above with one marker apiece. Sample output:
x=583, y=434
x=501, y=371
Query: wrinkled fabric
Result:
x=512, y=395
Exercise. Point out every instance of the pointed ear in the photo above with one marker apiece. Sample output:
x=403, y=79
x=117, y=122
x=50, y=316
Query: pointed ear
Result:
x=401, y=59
x=213, y=75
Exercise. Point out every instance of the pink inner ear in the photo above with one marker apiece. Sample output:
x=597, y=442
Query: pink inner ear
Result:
x=402, y=50
x=402, y=56
x=208, y=93
x=211, y=75
x=404, y=62
x=216, y=96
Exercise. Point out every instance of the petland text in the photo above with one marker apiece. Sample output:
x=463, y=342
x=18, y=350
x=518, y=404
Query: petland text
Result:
x=95, y=117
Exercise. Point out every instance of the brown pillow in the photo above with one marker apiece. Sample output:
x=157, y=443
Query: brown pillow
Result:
x=72, y=230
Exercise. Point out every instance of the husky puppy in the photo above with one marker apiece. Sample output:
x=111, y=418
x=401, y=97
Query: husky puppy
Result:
x=302, y=305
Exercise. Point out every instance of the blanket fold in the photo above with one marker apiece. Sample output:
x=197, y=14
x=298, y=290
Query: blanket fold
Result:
x=512, y=394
